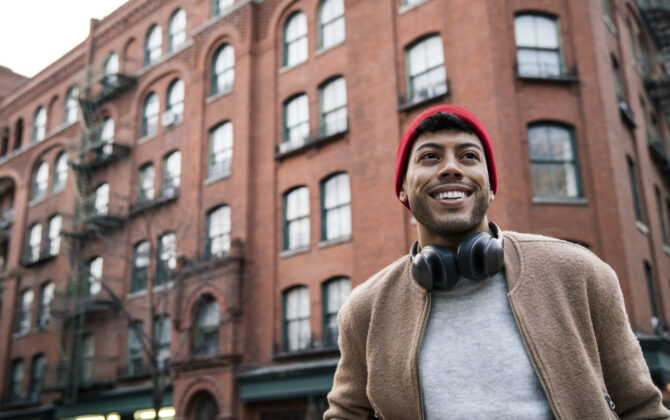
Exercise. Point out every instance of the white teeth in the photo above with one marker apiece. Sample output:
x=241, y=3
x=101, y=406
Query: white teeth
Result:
x=450, y=195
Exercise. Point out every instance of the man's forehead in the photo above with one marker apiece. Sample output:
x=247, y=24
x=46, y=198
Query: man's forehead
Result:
x=446, y=138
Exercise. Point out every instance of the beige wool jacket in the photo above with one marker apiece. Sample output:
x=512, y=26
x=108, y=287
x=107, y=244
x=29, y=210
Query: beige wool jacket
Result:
x=569, y=310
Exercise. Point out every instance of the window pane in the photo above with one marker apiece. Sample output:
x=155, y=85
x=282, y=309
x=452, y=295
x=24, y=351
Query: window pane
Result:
x=111, y=64
x=547, y=36
x=54, y=234
x=176, y=97
x=296, y=39
x=177, y=30
x=224, y=70
x=221, y=151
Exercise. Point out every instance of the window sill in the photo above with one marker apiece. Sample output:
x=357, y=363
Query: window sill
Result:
x=173, y=126
x=19, y=335
x=324, y=50
x=36, y=201
x=41, y=259
x=408, y=106
x=562, y=78
x=217, y=96
x=41, y=329
x=137, y=294
x=609, y=24
x=286, y=354
x=406, y=8
x=286, y=69
x=309, y=143
x=149, y=205
x=291, y=252
x=146, y=138
x=333, y=242
x=577, y=201
x=210, y=181
x=163, y=287
x=641, y=227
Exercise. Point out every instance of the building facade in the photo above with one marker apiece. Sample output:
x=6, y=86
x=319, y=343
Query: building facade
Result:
x=189, y=195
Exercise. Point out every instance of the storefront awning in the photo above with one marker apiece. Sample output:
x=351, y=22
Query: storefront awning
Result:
x=125, y=400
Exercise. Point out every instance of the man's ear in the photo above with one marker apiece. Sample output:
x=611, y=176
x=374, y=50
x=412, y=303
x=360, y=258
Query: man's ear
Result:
x=403, y=196
x=491, y=196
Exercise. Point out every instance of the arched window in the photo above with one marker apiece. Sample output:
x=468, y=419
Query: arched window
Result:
x=426, y=76
x=335, y=292
x=34, y=243
x=335, y=207
x=150, y=115
x=138, y=277
x=206, y=337
x=44, y=310
x=71, y=105
x=297, y=334
x=176, y=30
x=296, y=120
x=101, y=202
x=333, y=110
x=218, y=232
x=145, y=184
x=331, y=23
x=107, y=136
x=296, y=218
x=110, y=70
x=553, y=161
x=60, y=173
x=152, y=45
x=220, y=150
x=223, y=70
x=167, y=258
x=94, y=270
x=538, y=45
x=295, y=39
x=53, y=235
x=219, y=7
x=39, y=125
x=36, y=375
x=18, y=134
x=40, y=181
x=174, y=103
x=171, y=174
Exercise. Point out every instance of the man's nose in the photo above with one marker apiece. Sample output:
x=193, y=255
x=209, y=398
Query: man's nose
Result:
x=450, y=167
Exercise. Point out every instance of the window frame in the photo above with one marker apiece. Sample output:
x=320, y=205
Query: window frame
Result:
x=547, y=124
x=146, y=193
x=59, y=173
x=147, y=118
x=339, y=206
x=322, y=25
x=206, y=332
x=176, y=107
x=47, y=290
x=39, y=125
x=328, y=315
x=323, y=114
x=286, y=223
x=70, y=109
x=149, y=49
x=39, y=187
x=134, y=348
x=298, y=141
x=217, y=11
x=215, y=75
x=94, y=280
x=37, y=365
x=15, y=383
x=287, y=43
x=24, y=311
x=300, y=319
x=52, y=243
x=223, y=168
x=172, y=33
x=225, y=236
x=436, y=90
x=162, y=323
x=635, y=190
x=33, y=248
x=558, y=50
x=170, y=182
x=163, y=269
x=139, y=274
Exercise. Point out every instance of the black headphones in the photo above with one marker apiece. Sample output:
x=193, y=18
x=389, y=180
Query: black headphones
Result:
x=479, y=256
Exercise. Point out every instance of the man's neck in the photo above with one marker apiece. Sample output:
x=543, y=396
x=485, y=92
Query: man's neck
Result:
x=451, y=241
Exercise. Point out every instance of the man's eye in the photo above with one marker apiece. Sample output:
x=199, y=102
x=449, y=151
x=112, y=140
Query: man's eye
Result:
x=471, y=155
x=429, y=155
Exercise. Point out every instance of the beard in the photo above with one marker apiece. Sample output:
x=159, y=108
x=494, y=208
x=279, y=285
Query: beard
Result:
x=456, y=224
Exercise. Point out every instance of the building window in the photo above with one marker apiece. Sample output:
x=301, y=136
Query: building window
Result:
x=53, y=235
x=110, y=70
x=36, y=375
x=335, y=208
x=331, y=23
x=295, y=39
x=71, y=105
x=94, y=277
x=632, y=177
x=538, y=46
x=101, y=202
x=138, y=278
x=88, y=357
x=632, y=39
x=145, y=186
x=425, y=69
x=218, y=232
x=44, y=310
x=553, y=161
x=15, y=391
x=220, y=150
x=162, y=337
x=24, y=312
x=296, y=120
x=661, y=220
x=297, y=335
x=207, y=327
x=219, y=7
x=18, y=134
x=60, y=173
x=106, y=137
x=410, y=2
x=134, y=348
x=175, y=103
x=39, y=125
x=618, y=87
x=652, y=295
x=333, y=115
x=296, y=218
x=150, y=112
x=335, y=292
x=34, y=242
x=167, y=258
x=171, y=174
x=176, y=30
x=223, y=70
x=152, y=46
x=40, y=180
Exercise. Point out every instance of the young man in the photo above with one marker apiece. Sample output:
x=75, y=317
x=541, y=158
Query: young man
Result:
x=479, y=324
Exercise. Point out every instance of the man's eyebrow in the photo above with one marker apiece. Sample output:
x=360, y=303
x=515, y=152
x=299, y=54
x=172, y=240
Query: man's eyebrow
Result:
x=430, y=146
x=467, y=145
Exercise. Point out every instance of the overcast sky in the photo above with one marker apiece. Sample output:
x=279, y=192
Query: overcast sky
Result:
x=35, y=33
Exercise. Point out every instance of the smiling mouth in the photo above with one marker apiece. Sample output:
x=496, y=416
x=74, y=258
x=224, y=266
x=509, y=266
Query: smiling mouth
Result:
x=451, y=195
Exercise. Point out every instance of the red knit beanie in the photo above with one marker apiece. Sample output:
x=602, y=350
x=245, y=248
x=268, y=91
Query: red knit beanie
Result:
x=410, y=134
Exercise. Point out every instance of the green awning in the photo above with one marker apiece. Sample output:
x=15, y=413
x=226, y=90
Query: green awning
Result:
x=287, y=381
x=126, y=400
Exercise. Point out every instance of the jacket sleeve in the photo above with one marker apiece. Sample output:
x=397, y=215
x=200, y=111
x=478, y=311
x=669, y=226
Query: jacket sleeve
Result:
x=625, y=371
x=348, y=398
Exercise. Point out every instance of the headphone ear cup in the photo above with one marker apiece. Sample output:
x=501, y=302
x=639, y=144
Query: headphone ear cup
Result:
x=422, y=272
x=479, y=256
x=445, y=272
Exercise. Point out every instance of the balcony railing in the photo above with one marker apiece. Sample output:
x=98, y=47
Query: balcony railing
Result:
x=324, y=136
x=656, y=14
x=113, y=84
x=103, y=212
x=86, y=296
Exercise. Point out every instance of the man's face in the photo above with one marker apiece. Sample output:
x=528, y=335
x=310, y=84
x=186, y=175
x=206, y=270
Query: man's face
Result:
x=447, y=185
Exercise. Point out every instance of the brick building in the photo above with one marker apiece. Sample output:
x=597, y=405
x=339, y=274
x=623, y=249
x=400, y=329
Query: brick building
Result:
x=189, y=194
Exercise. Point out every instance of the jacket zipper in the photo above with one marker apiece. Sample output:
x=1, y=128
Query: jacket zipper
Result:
x=611, y=405
x=532, y=360
x=417, y=349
